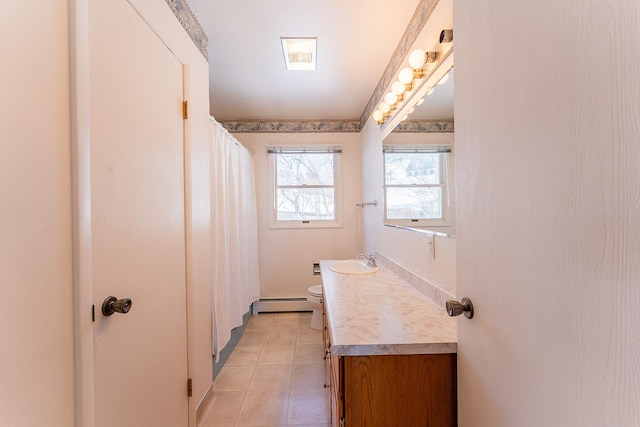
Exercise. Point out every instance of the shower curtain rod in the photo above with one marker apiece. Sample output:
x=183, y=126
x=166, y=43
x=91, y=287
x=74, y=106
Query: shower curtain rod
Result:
x=212, y=119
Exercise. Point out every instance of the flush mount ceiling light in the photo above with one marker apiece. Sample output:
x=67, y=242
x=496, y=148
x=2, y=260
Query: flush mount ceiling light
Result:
x=299, y=53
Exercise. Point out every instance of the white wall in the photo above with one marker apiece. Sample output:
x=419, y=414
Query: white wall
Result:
x=287, y=255
x=407, y=248
x=36, y=336
x=548, y=153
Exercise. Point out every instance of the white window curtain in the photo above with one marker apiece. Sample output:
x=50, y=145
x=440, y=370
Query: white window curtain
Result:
x=235, y=277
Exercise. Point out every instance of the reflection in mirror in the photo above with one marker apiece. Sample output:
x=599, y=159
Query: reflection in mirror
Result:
x=419, y=166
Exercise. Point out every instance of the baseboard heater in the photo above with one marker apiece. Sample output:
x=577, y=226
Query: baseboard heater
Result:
x=280, y=304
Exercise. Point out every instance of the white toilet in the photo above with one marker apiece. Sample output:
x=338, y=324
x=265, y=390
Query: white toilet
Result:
x=314, y=296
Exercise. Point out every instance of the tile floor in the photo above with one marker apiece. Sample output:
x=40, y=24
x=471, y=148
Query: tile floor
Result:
x=274, y=377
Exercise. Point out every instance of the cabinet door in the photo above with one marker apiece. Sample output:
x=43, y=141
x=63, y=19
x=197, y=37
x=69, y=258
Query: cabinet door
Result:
x=337, y=390
x=400, y=390
x=327, y=348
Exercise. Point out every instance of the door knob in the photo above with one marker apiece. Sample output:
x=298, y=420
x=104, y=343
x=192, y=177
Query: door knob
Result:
x=456, y=308
x=114, y=305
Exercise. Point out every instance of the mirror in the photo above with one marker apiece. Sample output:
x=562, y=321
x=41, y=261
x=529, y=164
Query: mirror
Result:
x=419, y=172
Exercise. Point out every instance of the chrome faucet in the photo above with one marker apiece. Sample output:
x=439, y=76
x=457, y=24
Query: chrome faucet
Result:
x=371, y=260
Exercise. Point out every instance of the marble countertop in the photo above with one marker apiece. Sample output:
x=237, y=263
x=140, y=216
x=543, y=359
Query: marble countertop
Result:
x=381, y=314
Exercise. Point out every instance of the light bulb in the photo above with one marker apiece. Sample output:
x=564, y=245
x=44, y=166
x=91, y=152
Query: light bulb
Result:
x=390, y=98
x=377, y=115
x=384, y=107
x=398, y=88
x=406, y=76
x=420, y=102
x=417, y=58
x=443, y=79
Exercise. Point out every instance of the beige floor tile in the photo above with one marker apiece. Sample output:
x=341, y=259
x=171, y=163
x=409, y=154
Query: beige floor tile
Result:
x=311, y=353
x=276, y=355
x=223, y=409
x=304, y=323
x=304, y=320
x=288, y=315
x=309, y=336
x=289, y=324
x=264, y=409
x=303, y=425
x=271, y=377
x=260, y=322
x=285, y=388
x=244, y=356
x=309, y=406
x=308, y=376
x=233, y=378
x=281, y=337
x=253, y=338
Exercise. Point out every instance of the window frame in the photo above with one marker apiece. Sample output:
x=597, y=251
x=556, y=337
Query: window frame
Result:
x=274, y=222
x=445, y=157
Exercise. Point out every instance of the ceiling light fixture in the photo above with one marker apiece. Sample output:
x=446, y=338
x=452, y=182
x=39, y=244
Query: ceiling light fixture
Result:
x=424, y=67
x=399, y=88
x=299, y=53
x=419, y=57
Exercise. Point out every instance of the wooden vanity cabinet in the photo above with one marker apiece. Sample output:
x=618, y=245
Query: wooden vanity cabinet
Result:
x=392, y=390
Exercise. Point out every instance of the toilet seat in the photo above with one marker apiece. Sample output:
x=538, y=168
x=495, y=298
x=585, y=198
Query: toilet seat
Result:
x=315, y=291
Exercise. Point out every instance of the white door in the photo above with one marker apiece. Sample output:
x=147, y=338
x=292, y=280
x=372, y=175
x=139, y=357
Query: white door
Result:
x=548, y=231
x=138, y=234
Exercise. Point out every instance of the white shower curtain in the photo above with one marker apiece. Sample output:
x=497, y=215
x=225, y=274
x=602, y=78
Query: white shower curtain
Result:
x=235, y=277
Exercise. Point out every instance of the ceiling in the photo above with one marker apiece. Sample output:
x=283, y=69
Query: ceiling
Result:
x=248, y=79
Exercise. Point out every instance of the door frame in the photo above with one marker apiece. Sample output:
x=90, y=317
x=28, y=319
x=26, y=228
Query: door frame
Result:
x=82, y=285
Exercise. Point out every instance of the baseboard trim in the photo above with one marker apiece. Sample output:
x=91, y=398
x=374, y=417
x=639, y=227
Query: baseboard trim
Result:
x=281, y=305
x=203, y=405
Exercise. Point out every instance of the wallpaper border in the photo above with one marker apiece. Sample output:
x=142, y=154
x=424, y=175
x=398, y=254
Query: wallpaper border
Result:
x=423, y=126
x=191, y=25
x=291, y=126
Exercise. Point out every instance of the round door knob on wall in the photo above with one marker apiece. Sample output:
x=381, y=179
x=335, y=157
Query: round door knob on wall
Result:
x=456, y=308
x=114, y=305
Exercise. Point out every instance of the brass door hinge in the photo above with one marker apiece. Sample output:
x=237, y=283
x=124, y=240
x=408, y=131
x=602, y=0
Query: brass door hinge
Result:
x=190, y=387
x=185, y=110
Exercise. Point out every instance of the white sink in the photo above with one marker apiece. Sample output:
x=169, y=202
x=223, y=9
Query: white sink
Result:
x=351, y=266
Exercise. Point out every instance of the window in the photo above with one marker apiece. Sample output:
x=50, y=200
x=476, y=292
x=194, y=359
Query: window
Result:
x=415, y=185
x=305, y=191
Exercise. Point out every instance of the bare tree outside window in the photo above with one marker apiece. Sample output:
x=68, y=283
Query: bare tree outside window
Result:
x=305, y=186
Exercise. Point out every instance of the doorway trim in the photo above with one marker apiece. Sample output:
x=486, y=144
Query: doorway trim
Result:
x=81, y=212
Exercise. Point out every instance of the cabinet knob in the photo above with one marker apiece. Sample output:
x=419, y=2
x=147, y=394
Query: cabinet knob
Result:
x=456, y=308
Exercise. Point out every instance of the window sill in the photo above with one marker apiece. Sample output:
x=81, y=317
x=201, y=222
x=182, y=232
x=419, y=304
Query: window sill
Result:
x=299, y=224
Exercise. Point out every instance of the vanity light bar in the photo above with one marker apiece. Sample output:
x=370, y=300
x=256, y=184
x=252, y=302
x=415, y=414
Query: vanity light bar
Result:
x=444, y=65
x=406, y=82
